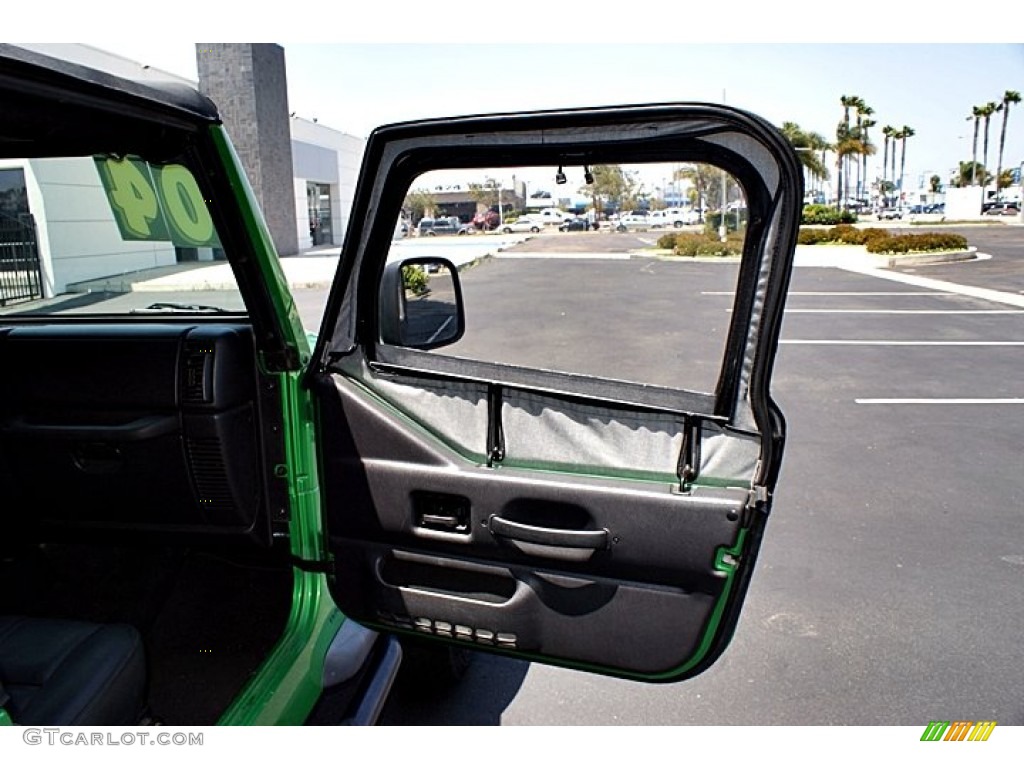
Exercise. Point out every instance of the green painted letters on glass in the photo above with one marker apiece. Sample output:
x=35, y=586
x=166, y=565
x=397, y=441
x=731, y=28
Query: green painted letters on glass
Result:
x=132, y=199
x=157, y=202
x=184, y=206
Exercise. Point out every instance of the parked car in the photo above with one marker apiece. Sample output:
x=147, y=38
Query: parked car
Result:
x=1001, y=209
x=552, y=216
x=486, y=221
x=449, y=225
x=523, y=224
x=633, y=220
x=213, y=516
x=890, y=213
x=674, y=217
x=575, y=224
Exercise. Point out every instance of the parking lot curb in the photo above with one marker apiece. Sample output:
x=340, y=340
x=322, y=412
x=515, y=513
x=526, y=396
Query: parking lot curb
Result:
x=923, y=259
x=669, y=256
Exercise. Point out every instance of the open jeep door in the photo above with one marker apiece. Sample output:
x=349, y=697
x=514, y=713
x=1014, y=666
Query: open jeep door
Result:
x=485, y=480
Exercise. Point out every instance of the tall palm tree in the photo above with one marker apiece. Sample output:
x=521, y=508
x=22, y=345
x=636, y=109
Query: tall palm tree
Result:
x=986, y=113
x=847, y=145
x=843, y=139
x=868, y=149
x=976, y=115
x=1010, y=97
x=896, y=136
x=905, y=133
x=821, y=145
x=888, y=132
x=863, y=111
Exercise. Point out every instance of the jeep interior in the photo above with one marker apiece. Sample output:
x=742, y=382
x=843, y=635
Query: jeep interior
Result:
x=145, y=567
x=171, y=481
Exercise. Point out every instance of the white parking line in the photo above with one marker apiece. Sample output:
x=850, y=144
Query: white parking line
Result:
x=988, y=294
x=939, y=401
x=905, y=311
x=890, y=343
x=553, y=256
x=843, y=293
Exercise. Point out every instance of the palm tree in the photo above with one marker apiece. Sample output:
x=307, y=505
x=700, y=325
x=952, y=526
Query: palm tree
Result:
x=1010, y=97
x=976, y=115
x=821, y=146
x=706, y=181
x=896, y=136
x=808, y=144
x=867, y=150
x=843, y=140
x=986, y=112
x=968, y=175
x=1004, y=179
x=905, y=133
x=847, y=144
x=863, y=111
x=888, y=132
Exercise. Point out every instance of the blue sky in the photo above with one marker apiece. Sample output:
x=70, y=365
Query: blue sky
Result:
x=931, y=88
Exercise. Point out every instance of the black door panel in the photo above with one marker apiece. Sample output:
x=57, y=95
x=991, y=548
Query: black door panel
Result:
x=533, y=610
x=517, y=559
x=118, y=427
x=532, y=489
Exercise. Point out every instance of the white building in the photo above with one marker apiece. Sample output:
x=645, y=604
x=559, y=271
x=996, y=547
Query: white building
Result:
x=325, y=165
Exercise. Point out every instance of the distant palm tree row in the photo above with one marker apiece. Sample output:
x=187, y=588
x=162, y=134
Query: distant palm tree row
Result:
x=984, y=113
x=853, y=146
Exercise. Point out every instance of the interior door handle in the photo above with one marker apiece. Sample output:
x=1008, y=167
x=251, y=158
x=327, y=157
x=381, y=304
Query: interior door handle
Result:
x=551, y=537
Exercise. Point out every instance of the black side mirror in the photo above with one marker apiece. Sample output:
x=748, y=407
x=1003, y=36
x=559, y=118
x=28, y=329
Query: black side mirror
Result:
x=421, y=303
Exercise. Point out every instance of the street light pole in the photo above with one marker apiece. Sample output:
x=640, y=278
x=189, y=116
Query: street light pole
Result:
x=725, y=198
x=501, y=216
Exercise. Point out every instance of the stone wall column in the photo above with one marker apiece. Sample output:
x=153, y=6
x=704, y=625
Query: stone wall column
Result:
x=248, y=83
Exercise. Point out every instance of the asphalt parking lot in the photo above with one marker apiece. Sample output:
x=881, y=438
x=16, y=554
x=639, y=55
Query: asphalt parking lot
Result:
x=889, y=590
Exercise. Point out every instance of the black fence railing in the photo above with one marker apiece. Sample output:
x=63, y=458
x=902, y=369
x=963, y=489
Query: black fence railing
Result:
x=21, y=277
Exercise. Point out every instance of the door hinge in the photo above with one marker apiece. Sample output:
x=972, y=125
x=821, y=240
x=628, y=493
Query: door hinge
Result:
x=757, y=501
x=688, y=466
x=495, y=431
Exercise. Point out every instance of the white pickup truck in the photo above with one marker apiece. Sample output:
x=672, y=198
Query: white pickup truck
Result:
x=554, y=216
x=674, y=217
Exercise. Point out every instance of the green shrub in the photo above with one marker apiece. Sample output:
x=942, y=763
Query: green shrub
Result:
x=415, y=279
x=812, y=236
x=713, y=220
x=704, y=245
x=841, y=233
x=865, y=236
x=850, y=235
x=924, y=242
x=826, y=214
x=667, y=241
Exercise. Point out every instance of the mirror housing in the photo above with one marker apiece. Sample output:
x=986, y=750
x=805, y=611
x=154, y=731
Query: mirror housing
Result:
x=420, y=303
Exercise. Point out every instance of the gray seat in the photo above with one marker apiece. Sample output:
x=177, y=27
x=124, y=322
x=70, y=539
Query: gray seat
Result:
x=57, y=672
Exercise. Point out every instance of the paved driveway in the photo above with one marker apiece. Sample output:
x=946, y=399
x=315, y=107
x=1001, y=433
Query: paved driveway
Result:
x=889, y=587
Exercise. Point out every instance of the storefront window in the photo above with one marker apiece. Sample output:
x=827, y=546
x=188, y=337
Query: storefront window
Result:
x=318, y=197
